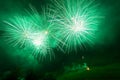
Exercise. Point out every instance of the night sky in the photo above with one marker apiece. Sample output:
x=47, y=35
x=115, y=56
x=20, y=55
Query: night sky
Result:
x=103, y=58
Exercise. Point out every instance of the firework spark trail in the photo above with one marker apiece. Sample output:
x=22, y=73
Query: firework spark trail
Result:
x=17, y=30
x=76, y=22
x=31, y=31
x=66, y=25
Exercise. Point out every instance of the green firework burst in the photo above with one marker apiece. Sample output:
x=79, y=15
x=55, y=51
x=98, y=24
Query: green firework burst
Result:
x=77, y=22
x=32, y=31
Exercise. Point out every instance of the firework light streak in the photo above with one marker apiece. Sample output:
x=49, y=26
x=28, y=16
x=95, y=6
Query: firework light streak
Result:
x=32, y=32
x=77, y=22
x=18, y=30
x=69, y=23
x=41, y=45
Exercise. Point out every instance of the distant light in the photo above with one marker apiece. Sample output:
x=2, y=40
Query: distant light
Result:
x=46, y=32
x=83, y=57
x=87, y=68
